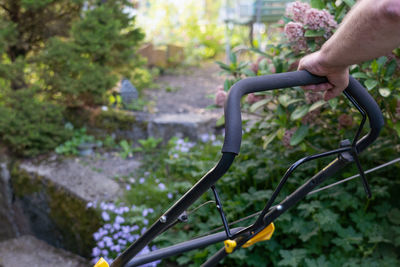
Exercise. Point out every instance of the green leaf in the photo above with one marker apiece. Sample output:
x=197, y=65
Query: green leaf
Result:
x=314, y=33
x=333, y=102
x=283, y=100
x=370, y=84
x=385, y=92
x=394, y=216
x=232, y=58
x=316, y=105
x=381, y=62
x=227, y=85
x=319, y=4
x=350, y=3
x=292, y=257
x=248, y=72
x=220, y=121
x=299, y=112
x=391, y=68
x=268, y=139
x=359, y=75
x=299, y=135
x=259, y=104
x=397, y=128
x=374, y=66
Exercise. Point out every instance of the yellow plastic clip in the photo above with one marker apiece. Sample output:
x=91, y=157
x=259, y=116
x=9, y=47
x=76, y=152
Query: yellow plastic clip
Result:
x=102, y=263
x=230, y=245
x=264, y=235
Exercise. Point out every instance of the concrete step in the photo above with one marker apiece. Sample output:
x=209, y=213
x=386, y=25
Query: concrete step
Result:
x=30, y=251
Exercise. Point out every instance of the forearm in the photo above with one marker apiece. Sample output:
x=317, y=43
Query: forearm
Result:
x=370, y=30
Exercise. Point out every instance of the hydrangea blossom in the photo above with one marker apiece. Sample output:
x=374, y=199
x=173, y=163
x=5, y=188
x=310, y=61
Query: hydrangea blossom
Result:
x=319, y=19
x=294, y=31
x=220, y=98
x=306, y=18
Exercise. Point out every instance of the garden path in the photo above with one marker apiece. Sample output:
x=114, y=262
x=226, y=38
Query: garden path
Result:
x=187, y=90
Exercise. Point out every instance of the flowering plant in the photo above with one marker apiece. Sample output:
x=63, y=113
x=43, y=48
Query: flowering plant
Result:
x=122, y=226
x=308, y=28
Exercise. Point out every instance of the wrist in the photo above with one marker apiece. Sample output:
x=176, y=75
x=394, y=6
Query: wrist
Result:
x=328, y=61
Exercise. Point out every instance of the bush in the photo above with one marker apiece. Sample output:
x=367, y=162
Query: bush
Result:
x=30, y=126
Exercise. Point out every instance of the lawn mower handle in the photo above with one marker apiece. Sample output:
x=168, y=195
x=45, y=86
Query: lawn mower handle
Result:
x=233, y=119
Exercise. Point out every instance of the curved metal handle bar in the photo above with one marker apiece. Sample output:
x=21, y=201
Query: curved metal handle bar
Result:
x=233, y=120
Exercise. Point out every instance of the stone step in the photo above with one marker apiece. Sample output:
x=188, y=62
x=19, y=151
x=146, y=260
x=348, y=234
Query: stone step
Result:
x=190, y=125
x=54, y=195
x=30, y=251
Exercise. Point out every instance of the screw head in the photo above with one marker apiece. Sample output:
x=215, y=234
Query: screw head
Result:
x=163, y=219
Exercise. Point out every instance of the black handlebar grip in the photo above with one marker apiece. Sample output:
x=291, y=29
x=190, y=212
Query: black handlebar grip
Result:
x=233, y=119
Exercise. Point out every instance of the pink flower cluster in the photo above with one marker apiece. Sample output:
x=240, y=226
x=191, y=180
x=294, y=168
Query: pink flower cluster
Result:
x=296, y=11
x=294, y=31
x=319, y=19
x=304, y=17
x=220, y=96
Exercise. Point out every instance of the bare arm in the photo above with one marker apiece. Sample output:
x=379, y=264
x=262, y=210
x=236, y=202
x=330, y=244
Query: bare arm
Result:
x=371, y=29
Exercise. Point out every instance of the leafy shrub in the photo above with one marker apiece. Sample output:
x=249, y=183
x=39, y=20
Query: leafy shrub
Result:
x=30, y=126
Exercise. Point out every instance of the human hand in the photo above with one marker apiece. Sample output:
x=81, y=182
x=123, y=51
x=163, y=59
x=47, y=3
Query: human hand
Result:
x=338, y=77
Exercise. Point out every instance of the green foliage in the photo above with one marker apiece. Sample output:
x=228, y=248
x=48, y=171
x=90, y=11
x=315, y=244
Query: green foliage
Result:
x=28, y=125
x=80, y=70
x=63, y=54
x=336, y=227
x=79, y=138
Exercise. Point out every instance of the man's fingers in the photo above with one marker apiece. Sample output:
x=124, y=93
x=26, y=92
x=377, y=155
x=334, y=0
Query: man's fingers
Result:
x=332, y=93
x=318, y=87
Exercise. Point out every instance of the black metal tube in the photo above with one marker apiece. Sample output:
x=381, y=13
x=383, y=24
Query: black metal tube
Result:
x=216, y=258
x=179, y=248
x=176, y=210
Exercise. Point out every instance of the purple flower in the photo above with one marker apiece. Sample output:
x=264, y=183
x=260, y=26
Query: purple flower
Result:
x=145, y=221
x=119, y=219
x=96, y=252
x=101, y=244
x=145, y=212
x=105, y=216
x=141, y=180
x=116, y=226
x=205, y=137
x=161, y=186
x=134, y=228
x=169, y=195
x=128, y=187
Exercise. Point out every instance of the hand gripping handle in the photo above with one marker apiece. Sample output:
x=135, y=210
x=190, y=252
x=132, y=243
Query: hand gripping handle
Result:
x=233, y=119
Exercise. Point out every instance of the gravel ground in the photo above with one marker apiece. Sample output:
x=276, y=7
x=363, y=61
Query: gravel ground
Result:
x=187, y=91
